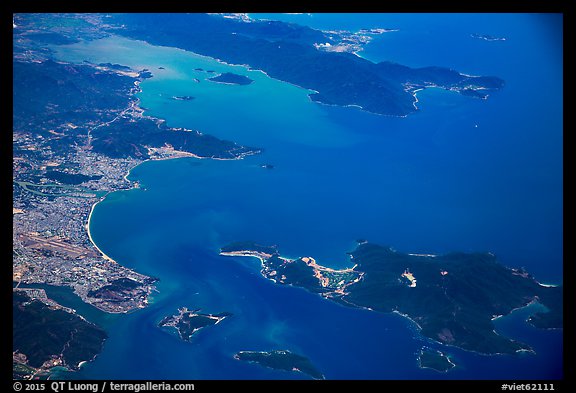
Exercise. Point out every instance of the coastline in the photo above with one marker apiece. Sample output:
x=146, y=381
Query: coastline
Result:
x=344, y=302
x=249, y=69
x=411, y=320
x=382, y=345
x=437, y=353
x=87, y=226
x=180, y=154
x=135, y=185
x=164, y=153
x=530, y=303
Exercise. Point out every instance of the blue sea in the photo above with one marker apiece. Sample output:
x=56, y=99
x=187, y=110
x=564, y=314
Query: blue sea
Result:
x=461, y=174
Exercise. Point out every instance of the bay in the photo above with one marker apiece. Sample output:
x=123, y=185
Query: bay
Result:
x=458, y=175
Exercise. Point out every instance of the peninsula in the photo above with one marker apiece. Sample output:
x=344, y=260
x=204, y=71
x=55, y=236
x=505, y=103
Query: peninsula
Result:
x=46, y=335
x=323, y=62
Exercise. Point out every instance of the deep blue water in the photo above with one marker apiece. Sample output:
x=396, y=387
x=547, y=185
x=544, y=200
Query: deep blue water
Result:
x=461, y=174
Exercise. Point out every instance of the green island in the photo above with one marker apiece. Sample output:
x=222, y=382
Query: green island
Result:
x=281, y=360
x=436, y=360
x=453, y=298
x=47, y=335
x=187, y=323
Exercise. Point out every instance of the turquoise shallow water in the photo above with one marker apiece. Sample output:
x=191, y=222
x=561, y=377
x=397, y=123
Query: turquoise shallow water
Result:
x=461, y=174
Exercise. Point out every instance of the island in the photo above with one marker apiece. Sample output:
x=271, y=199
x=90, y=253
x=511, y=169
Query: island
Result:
x=436, y=360
x=231, y=79
x=281, y=360
x=187, y=323
x=46, y=335
x=433, y=291
x=487, y=37
x=182, y=98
